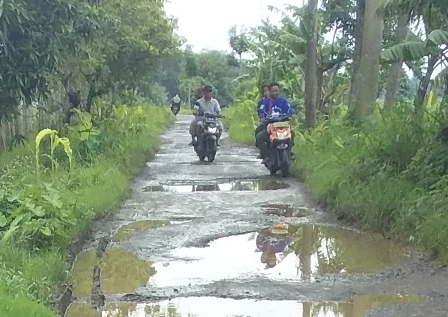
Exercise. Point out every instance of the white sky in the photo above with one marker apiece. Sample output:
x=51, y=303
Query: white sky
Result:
x=205, y=23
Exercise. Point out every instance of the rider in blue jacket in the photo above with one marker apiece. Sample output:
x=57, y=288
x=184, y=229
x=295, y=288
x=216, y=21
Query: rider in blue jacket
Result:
x=274, y=104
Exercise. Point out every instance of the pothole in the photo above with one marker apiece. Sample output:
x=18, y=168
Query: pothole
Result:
x=288, y=211
x=82, y=273
x=125, y=232
x=282, y=252
x=123, y=272
x=241, y=185
x=225, y=307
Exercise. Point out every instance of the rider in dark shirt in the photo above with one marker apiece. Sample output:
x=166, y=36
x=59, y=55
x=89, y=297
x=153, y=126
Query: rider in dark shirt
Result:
x=274, y=104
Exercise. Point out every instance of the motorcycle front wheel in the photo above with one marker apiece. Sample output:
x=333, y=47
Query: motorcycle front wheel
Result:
x=285, y=160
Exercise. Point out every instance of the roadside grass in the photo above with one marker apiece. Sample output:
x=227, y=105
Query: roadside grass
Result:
x=33, y=254
x=185, y=111
x=389, y=176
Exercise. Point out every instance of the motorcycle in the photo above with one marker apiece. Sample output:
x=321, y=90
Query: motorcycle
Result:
x=279, y=145
x=207, y=144
x=175, y=108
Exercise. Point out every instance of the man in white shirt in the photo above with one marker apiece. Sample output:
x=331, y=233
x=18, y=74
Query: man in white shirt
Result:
x=176, y=99
x=207, y=105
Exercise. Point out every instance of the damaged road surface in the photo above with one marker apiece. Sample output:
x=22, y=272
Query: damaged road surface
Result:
x=225, y=239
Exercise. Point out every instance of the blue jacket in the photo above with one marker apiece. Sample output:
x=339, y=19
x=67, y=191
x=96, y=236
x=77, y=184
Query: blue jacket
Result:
x=259, y=107
x=268, y=106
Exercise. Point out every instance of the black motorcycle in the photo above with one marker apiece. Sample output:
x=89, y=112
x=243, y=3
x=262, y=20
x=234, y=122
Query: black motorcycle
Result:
x=207, y=144
x=175, y=108
x=279, y=144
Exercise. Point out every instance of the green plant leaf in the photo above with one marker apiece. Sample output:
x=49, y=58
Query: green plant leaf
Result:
x=3, y=220
x=38, y=211
x=46, y=231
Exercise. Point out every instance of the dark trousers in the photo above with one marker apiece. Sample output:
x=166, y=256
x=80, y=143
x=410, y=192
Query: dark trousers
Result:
x=258, y=130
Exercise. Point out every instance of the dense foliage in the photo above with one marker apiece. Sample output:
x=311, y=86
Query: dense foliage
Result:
x=377, y=156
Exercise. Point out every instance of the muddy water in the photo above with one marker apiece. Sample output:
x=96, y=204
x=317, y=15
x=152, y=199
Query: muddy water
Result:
x=122, y=272
x=82, y=273
x=220, y=307
x=307, y=251
x=242, y=185
x=203, y=238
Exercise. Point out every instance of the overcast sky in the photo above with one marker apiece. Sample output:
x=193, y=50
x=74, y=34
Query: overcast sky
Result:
x=205, y=23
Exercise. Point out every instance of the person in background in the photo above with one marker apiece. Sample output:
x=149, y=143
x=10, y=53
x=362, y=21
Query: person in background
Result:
x=265, y=93
x=175, y=102
x=199, y=95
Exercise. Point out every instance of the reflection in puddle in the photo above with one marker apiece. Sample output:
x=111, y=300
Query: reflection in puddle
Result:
x=123, y=272
x=126, y=231
x=82, y=273
x=223, y=307
x=284, y=252
x=286, y=210
x=242, y=185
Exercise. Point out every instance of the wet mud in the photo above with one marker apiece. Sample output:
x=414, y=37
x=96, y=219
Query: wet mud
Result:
x=226, y=239
x=126, y=231
x=288, y=211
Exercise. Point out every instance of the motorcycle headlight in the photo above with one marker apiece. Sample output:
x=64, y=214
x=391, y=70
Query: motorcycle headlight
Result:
x=212, y=130
x=282, y=135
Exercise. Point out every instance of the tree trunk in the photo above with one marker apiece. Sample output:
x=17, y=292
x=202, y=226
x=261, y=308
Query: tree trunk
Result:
x=369, y=66
x=189, y=97
x=311, y=67
x=17, y=122
x=25, y=114
x=396, y=70
x=358, y=33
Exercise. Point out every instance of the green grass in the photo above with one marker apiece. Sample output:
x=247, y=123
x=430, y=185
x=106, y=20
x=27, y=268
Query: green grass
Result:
x=389, y=176
x=241, y=121
x=185, y=111
x=31, y=269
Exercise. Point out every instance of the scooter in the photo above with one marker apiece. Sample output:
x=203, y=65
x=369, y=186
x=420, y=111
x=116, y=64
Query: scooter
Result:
x=279, y=145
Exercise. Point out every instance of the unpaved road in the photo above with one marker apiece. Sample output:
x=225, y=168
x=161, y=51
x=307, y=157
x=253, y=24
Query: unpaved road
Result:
x=206, y=258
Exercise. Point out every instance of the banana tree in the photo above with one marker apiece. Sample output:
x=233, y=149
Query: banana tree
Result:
x=432, y=48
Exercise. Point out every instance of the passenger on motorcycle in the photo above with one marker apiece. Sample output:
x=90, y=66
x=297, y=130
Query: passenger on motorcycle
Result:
x=265, y=92
x=192, y=130
x=274, y=104
x=207, y=105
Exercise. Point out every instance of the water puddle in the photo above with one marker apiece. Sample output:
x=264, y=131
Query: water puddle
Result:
x=282, y=252
x=123, y=272
x=125, y=232
x=82, y=273
x=288, y=211
x=241, y=185
x=224, y=307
